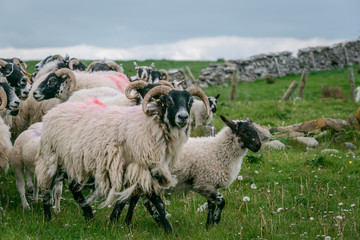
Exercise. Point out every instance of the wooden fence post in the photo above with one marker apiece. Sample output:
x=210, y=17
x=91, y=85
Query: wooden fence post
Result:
x=234, y=83
x=289, y=91
x=192, y=76
x=302, y=85
x=352, y=83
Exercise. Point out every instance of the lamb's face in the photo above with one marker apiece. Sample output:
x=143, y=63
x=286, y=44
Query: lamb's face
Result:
x=13, y=102
x=177, y=106
x=246, y=132
x=51, y=87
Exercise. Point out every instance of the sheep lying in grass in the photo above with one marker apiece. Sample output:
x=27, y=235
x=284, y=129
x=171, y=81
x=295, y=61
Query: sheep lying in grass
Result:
x=22, y=161
x=122, y=148
x=208, y=164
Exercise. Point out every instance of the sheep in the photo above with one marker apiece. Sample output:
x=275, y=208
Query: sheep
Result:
x=13, y=74
x=104, y=66
x=198, y=113
x=357, y=98
x=121, y=147
x=31, y=110
x=208, y=164
x=75, y=64
x=22, y=161
x=9, y=104
x=143, y=72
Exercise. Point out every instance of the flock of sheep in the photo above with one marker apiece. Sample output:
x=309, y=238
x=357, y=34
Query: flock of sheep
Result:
x=123, y=137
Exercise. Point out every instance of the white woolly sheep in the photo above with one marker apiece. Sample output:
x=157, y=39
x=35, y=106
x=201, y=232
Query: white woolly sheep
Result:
x=22, y=161
x=208, y=164
x=198, y=113
x=120, y=147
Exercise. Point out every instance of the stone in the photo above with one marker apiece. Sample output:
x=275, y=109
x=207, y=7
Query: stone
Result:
x=308, y=141
x=349, y=145
x=276, y=144
x=329, y=151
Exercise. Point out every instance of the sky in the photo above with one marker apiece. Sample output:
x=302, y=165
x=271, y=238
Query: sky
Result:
x=172, y=29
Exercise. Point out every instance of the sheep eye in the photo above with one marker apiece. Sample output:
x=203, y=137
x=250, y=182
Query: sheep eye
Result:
x=169, y=102
x=52, y=82
x=191, y=102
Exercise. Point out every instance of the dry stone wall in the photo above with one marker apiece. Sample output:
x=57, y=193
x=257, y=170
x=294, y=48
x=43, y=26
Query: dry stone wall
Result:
x=283, y=63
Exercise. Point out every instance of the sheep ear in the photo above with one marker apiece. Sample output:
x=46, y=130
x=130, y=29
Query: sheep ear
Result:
x=249, y=120
x=135, y=65
x=228, y=122
x=152, y=65
x=217, y=96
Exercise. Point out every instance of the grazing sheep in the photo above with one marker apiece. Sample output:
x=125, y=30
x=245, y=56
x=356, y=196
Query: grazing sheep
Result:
x=120, y=147
x=198, y=113
x=208, y=164
x=357, y=98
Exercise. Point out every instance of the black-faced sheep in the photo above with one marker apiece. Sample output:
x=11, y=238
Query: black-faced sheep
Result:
x=13, y=74
x=126, y=151
x=198, y=113
x=97, y=66
x=208, y=164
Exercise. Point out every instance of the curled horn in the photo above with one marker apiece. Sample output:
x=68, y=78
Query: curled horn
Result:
x=163, y=71
x=153, y=92
x=58, y=57
x=196, y=91
x=3, y=99
x=115, y=66
x=18, y=62
x=68, y=72
x=166, y=83
x=2, y=62
x=21, y=62
x=133, y=85
x=73, y=62
x=91, y=65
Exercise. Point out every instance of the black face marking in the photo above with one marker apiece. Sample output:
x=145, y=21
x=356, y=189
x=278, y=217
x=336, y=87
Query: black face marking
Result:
x=13, y=75
x=13, y=101
x=50, y=87
x=246, y=132
x=178, y=105
x=101, y=66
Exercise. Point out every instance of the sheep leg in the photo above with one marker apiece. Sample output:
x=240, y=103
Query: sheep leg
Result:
x=29, y=183
x=47, y=194
x=220, y=203
x=81, y=201
x=20, y=185
x=152, y=210
x=211, y=209
x=160, y=207
x=57, y=195
x=36, y=191
x=133, y=201
x=119, y=206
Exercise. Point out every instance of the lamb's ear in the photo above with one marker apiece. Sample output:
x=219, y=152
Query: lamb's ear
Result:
x=249, y=120
x=135, y=65
x=152, y=65
x=217, y=96
x=228, y=122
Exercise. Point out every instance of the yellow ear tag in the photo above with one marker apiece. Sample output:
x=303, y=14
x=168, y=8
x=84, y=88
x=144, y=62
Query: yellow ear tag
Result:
x=67, y=79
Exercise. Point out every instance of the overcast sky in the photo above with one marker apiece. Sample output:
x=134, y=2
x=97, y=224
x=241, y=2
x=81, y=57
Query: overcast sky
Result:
x=172, y=29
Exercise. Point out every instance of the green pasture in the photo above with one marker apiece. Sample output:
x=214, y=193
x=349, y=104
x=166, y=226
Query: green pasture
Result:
x=295, y=193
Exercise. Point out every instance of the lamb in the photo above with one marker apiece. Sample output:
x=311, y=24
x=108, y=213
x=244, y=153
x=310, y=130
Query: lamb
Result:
x=357, y=98
x=9, y=104
x=22, y=161
x=208, y=164
x=120, y=147
x=143, y=72
x=198, y=114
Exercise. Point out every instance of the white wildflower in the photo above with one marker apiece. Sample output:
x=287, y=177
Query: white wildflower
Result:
x=256, y=171
x=246, y=199
x=240, y=178
x=311, y=218
x=352, y=205
x=340, y=204
x=279, y=209
x=339, y=217
x=253, y=186
x=167, y=202
x=327, y=238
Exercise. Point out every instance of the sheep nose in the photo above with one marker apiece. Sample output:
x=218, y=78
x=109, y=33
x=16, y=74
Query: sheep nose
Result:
x=23, y=82
x=15, y=105
x=183, y=117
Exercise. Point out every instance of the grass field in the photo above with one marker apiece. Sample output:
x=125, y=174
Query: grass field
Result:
x=296, y=193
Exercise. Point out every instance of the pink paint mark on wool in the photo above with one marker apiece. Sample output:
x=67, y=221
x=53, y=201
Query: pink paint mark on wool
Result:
x=120, y=80
x=94, y=100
